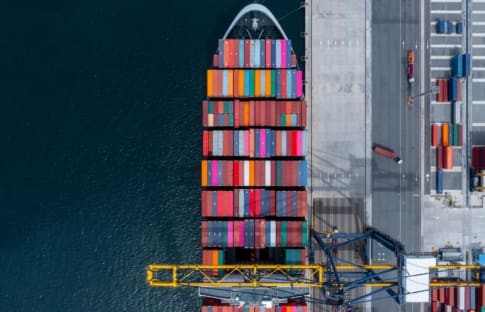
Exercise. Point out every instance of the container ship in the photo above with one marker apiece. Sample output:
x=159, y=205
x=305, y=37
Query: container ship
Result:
x=253, y=169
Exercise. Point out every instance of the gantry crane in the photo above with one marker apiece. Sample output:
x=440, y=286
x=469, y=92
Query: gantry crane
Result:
x=255, y=283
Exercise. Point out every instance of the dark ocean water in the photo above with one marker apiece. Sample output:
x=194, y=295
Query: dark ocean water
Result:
x=101, y=143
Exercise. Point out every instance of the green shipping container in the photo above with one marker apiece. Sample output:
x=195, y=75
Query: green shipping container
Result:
x=455, y=134
x=224, y=234
x=273, y=83
x=283, y=120
x=251, y=82
x=304, y=234
x=210, y=107
x=284, y=233
x=279, y=173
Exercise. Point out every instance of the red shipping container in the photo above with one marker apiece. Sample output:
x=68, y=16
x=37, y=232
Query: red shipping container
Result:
x=445, y=82
x=439, y=158
x=481, y=295
x=246, y=53
x=268, y=53
x=434, y=294
x=447, y=157
x=303, y=114
x=234, y=54
x=452, y=296
x=204, y=206
x=441, y=295
x=460, y=135
x=226, y=53
x=257, y=206
x=283, y=83
x=204, y=233
x=215, y=60
x=434, y=306
x=205, y=113
x=434, y=134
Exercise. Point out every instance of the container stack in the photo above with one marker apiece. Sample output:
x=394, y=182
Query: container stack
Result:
x=458, y=299
x=477, y=170
x=253, y=172
x=445, y=139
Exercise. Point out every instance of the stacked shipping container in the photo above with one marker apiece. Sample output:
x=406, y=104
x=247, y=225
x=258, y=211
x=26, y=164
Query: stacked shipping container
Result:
x=286, y=307
x=236, y=113
x=444, y=138
x=253, y=171
x=458, y=299
x=257, y=143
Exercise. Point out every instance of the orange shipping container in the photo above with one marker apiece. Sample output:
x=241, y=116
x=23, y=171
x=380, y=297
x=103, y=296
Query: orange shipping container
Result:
x=210, y=86
x=257, y=83
x=204, y=173
x=448, y=157
x=444, y=134
x=230, y=83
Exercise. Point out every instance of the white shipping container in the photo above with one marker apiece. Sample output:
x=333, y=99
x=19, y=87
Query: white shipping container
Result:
x=257, y=54
x=246, y=173
x=252, y=49
x=267, y=173
x=461, y=298
x=283, y=143
x=278, y=53
x=273, y=233
x=262, y=85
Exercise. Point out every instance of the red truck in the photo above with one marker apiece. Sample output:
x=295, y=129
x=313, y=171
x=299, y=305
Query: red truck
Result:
x=411, y=66
x=386, y=152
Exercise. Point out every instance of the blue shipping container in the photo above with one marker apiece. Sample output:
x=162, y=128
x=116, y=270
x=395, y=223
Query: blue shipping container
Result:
x=439, y=182
x=449, y=27
x=453, y=89
x=459, y=27
x=441, y=27
x=467, y=64
x=457, y=66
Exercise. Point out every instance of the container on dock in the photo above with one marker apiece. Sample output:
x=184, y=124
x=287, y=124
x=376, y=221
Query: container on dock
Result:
x=444, y=134
x=453, y=89
x=478, y=157
x=439, y=181
x=459, y=27
x=435, y=129
x=457, y=66
x=439, y=157
x=449, y=27
x=456, y=141
x=467, y=64
x=441, y=27
x=442, y=95
x=447, y=157
x=456, y=112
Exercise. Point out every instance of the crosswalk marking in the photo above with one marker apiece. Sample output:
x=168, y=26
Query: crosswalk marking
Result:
x=441, y=57
x=446, y=46
x=446, y=12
